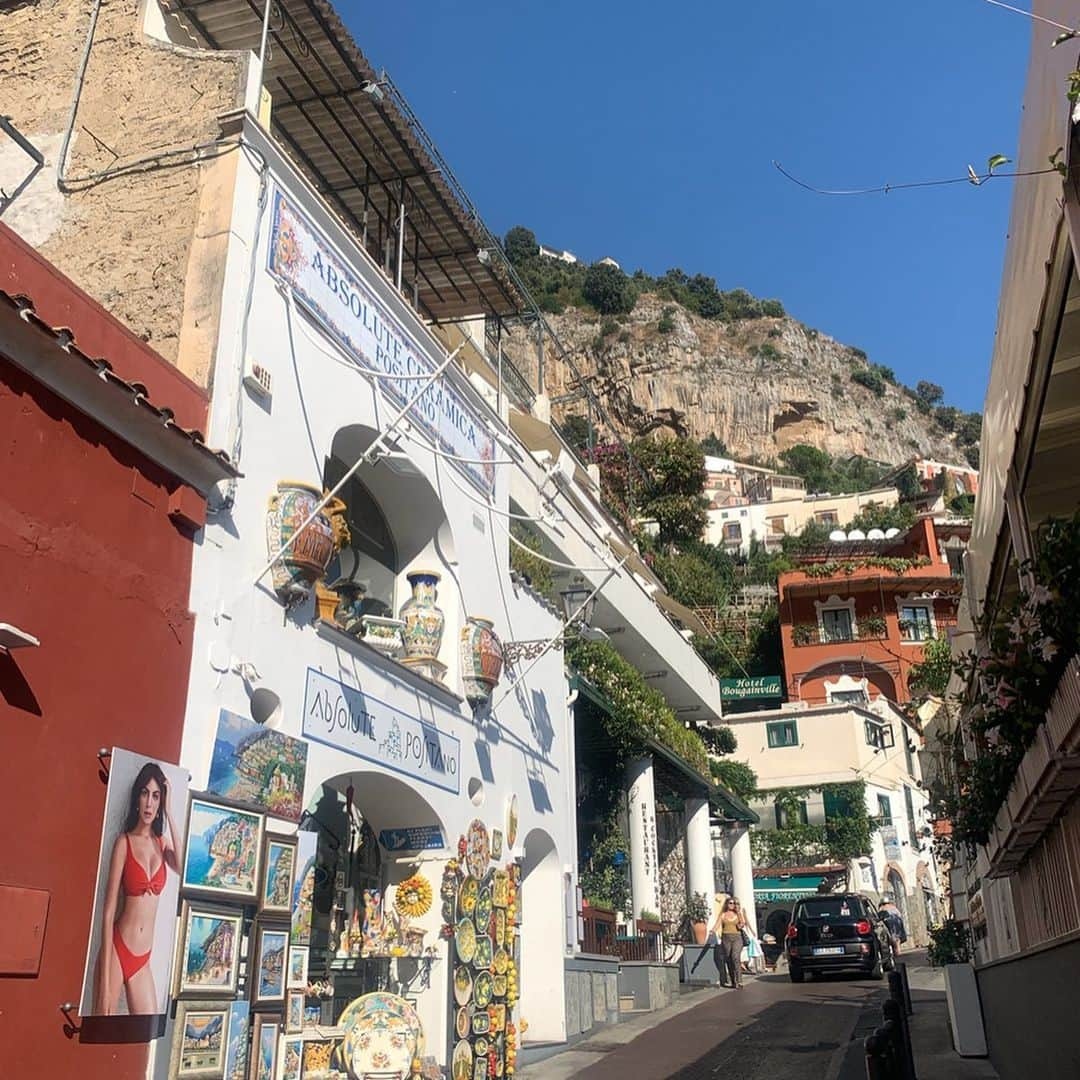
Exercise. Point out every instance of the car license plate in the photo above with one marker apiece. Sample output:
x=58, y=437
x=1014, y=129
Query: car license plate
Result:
x=829, y=950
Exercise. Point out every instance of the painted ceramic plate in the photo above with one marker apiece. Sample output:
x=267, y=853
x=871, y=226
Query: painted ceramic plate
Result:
x=470, y=889
x=483, y=909
x=480, y=1069
x=498, y=985
x=462, y=986
x=483, y=956
x=483, y=990
x=464, y=1022
x=465, y=940
x=501, y=963
x=481, y=1047
x=511, y=823
x=500, y=927
x=481, y=1023
x=497, y=1013
x=501, y=889
x=477, y=849
x=462, y=1066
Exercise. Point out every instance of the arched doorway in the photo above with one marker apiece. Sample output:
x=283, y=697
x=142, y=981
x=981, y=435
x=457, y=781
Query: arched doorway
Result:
x=541, y=913
x=896, y=891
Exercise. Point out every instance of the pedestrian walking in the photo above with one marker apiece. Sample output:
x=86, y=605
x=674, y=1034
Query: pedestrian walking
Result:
x=894, y=923
x=731, y=923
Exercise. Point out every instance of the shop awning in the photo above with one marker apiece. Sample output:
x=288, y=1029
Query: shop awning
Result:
x=768, y=890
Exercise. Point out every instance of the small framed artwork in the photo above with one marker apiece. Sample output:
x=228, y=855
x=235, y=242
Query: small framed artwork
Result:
x=294, y=1011
x=200, y=1039
x=317, y=1055
x=292, y=1057
x=279, y=863
x=223, y=849
x=209, y=951
x=236, y=1054
x=339, y=880
x=265, y=1034
x=496, y=844
x=298, y=968
x=267, y=965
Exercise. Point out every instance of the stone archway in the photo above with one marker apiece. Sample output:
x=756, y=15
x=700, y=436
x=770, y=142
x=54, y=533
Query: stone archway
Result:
x=542, y=936
x=896, y=891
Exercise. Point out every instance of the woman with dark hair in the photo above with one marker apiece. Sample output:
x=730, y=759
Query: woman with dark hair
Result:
x=136, y=879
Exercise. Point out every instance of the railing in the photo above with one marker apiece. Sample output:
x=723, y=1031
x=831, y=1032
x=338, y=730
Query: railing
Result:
x=599, y=936
x=646, y=945
x=807, y=634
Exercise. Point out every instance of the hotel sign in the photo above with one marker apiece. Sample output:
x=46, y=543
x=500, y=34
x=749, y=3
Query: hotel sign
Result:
x=356, y=723
x=761, y=686
x=348, y=310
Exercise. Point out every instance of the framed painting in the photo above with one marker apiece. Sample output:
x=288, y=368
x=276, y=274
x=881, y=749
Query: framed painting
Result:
x=236, y=1053
x=298, y=968
x=258, y=767
x=200, y=1040
x=209, y=958
x=278, y=866
x=294, y=1011
x=317, y=1055
x=303, y=894
x=267, y=965
x=292, y=1057
x=223, y=849
x=265, y=1034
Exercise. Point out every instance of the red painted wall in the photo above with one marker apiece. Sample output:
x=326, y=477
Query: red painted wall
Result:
x=91, y=564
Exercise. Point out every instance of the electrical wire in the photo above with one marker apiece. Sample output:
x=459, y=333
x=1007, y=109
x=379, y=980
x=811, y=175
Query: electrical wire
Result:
x=1032, y=15
x=884, y=189
x=439, y=452
x=553, y=562
x=494, y=509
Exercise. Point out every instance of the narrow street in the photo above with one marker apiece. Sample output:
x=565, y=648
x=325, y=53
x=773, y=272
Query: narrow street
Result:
x=771, y=1028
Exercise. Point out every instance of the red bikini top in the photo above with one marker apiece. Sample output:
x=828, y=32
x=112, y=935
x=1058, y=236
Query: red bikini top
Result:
x=135, y=880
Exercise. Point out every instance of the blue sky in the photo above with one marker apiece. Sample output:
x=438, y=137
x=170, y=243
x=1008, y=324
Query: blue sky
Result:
x=647, y=131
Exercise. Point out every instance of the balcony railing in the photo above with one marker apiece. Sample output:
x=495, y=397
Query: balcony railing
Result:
x=808, y=634
x=599, y=936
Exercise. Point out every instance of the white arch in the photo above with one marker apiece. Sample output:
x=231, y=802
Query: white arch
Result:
x=542, y=999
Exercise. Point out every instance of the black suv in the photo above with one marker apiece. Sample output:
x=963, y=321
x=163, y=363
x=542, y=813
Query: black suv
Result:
x=837, y=932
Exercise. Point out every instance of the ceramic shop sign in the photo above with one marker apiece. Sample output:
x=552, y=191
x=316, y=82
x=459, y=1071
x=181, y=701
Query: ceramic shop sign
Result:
x=348, y=309
x=418, y=838
x=350, y=720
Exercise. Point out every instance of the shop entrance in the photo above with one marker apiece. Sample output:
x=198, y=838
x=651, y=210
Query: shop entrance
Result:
x=542, y=935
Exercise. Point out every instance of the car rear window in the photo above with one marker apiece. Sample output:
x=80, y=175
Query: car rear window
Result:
x=830, y=907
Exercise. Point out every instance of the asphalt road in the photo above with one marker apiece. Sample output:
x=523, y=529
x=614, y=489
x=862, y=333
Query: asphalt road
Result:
x=769, y=1030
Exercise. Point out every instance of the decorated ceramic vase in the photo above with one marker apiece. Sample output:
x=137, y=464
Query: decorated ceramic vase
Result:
x=383, y=634
x=347, y=611
x=481, y=659
x=423, y=620
x=307, y=558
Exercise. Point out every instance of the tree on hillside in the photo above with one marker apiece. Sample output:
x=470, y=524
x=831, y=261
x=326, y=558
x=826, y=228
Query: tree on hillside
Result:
x=520, y=244
x=714, y=446
x=878, y=516
x=907, y=482
x=609, y=290
x=812, y=464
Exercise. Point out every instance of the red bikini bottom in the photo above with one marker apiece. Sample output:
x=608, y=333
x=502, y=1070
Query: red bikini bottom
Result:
x=130, y=964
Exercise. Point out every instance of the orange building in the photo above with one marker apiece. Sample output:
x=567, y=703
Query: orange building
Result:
x=855, y=614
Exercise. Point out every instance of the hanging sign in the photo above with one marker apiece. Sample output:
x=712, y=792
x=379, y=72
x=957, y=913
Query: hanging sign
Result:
x=348, y=309
x=350, y=720
x=760, y=686
x=416, y=838
x=891, y=842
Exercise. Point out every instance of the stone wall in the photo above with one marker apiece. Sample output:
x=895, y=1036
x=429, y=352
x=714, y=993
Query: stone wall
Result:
x=671, y=854
x=126, y=238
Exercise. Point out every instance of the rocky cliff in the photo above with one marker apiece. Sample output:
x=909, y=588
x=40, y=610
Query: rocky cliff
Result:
x=759, y=385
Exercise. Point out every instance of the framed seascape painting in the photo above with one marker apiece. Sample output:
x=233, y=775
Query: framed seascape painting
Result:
x=257, y=767
x=294, y=1011
x=298, y=968
x=223, y=850
x=209, y=951
x=304, y=887
x=236, y=1053
x=265, y=1033
x=200, y=1039
x=279, y=863
x=292, y=1057
x=267, y=965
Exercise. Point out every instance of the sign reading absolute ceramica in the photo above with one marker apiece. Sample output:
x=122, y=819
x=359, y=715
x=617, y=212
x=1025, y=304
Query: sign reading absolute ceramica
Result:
x=349, y=311
x=350, y=720
x=760, y=686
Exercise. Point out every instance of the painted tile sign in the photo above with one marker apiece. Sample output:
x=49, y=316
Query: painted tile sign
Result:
x=347, y=719
x=415, y=838
x=349, y=311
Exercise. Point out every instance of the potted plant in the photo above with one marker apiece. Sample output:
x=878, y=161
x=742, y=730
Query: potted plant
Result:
x=649, y=922
x=698, y=911
x=872, y=626
x=950, y=948
x=803, y=633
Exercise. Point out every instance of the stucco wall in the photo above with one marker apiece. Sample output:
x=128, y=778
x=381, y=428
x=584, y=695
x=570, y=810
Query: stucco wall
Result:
x=126, y=239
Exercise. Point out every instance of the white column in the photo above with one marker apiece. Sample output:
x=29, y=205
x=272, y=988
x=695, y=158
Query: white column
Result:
x=699, y=867
x=742, y=872
x=641, y=811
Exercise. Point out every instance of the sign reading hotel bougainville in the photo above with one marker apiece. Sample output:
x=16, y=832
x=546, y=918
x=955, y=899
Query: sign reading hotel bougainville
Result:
x=350, y=720
x=760, y=686
x=349, y=311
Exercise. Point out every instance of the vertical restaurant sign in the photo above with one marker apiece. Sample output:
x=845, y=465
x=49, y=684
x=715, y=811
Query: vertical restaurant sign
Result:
x=348, y=309
x=350, y=720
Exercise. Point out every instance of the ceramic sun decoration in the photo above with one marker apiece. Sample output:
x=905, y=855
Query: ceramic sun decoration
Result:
x=481, y=659
x=423, y=621
x=308, y=556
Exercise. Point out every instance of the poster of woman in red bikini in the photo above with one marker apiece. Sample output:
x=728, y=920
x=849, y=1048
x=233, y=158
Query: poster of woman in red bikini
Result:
x=132, y=929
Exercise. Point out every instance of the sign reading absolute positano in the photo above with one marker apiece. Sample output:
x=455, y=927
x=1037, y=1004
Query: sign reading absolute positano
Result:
x=760, y=686
x=350, y=720
x=302, y=258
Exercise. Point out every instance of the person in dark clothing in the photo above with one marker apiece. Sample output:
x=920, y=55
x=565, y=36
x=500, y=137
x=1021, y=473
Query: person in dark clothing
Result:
x=894, y=923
